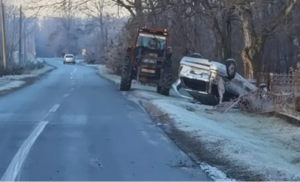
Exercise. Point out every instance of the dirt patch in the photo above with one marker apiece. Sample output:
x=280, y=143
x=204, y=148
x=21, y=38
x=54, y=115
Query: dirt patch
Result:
x=292, y=119
x=157, y=115
x=196, y=149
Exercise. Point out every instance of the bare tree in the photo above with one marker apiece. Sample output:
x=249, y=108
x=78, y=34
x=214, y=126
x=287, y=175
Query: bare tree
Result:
x=257, y=20
x=254, y=39
x=68, y=26
x=242, y=29
x=95, y=10
x=12, y=29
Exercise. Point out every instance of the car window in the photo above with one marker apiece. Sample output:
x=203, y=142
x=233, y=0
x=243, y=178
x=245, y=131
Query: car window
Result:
x=69, y=56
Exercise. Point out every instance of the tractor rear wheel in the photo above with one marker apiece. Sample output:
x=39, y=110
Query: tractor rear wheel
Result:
x=165, y=82
x=126, y=79
x=158, y=88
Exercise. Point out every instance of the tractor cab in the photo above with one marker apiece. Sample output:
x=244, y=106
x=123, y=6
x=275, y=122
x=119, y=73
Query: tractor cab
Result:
x=150, y=43
x=149, y=60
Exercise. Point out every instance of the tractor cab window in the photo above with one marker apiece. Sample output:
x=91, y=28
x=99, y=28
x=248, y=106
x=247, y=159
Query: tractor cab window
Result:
x=151, y=41
x=154, y=43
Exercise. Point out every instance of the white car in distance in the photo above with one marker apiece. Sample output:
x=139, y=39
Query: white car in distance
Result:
x=69, y=58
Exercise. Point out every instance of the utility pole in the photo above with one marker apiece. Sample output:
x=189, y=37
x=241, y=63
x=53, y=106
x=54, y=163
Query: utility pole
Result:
x=20, y=35
x=3, y=35
x=25, y=41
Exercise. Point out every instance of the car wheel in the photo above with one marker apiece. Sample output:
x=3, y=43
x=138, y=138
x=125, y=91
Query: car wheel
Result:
x=230, y=68
x=196, y=55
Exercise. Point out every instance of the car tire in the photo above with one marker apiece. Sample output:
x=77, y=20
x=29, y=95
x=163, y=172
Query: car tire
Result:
x=196, y=55
x=64, y=63
x=231, y=68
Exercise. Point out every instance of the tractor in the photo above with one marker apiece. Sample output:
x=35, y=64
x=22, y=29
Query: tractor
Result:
x=148, y=61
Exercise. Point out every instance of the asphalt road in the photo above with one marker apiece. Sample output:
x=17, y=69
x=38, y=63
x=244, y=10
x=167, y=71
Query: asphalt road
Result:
x=74, y=125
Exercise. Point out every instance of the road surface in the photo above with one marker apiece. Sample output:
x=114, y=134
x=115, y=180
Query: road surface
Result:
x=74, y=125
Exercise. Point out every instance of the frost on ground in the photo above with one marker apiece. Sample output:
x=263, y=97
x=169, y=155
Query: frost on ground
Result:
x=105, y=72
x=264, y=146
x=108, y=74
x=11, y=84
x=244, y=146
x=15, y=81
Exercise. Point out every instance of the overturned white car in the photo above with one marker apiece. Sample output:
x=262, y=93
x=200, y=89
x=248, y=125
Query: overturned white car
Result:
x=210, y=82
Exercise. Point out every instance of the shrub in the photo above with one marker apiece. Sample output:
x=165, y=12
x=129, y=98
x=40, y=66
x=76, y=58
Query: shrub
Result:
x=18, y=69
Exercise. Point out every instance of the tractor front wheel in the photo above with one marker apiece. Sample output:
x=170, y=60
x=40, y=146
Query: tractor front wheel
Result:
x=126, y=79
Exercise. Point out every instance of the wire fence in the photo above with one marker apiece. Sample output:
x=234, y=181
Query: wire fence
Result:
x=281, y=82
x=284, y=84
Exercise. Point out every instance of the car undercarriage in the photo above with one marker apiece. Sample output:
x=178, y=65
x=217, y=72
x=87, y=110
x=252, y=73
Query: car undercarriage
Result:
x=210, y=82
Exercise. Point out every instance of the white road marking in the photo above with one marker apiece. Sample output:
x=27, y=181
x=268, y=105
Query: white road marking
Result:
x=14, y=167
x=71, y=77
x=46, y=115
x=73, y=83
x=75, y=69
x=72, y=89
x=54, y=108
x=66, y=95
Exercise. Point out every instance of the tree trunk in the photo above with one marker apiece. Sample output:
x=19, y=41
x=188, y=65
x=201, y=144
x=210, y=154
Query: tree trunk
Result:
x=138, y=8
x=252, y=43
x=252, y=46
x=219, y=44
x=247, y=64
x=227, y=31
